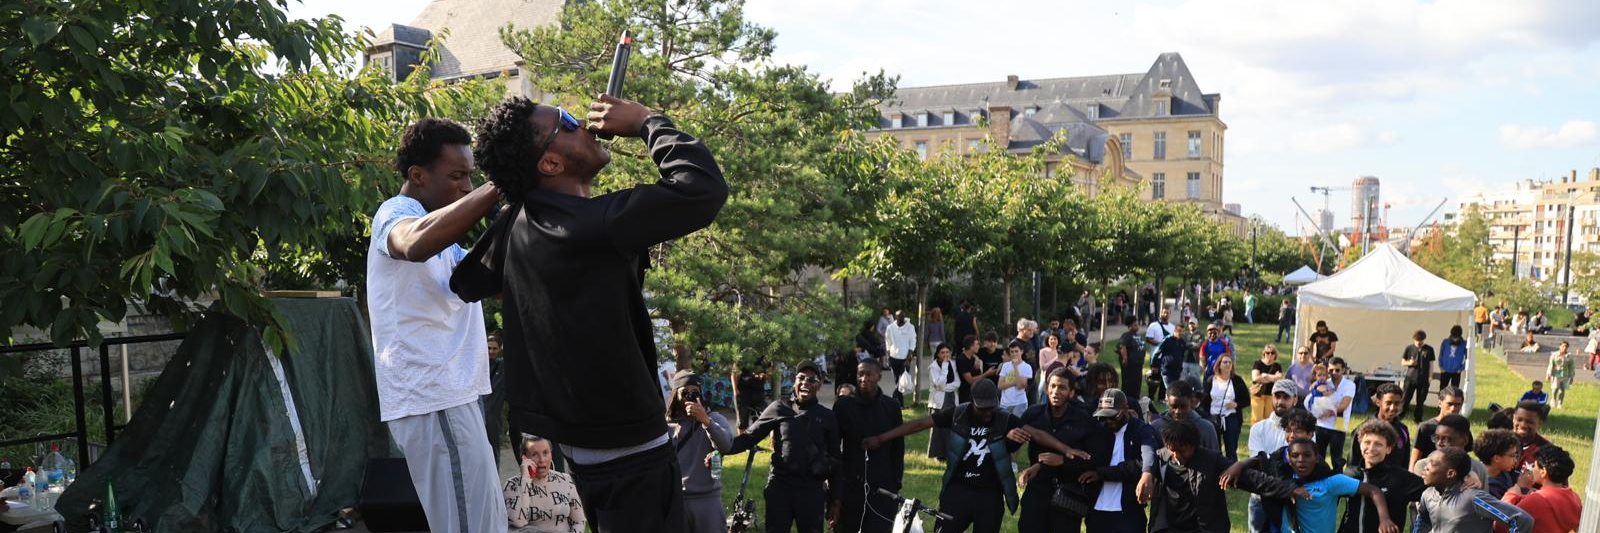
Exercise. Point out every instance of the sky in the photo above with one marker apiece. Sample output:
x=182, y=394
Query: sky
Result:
x=1439, y=100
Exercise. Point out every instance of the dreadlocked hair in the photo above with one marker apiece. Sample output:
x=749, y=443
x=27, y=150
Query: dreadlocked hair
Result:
x=508, y=147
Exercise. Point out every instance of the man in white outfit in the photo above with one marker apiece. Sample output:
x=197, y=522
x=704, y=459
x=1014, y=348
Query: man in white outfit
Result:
x=901, y=340
x=430, y=353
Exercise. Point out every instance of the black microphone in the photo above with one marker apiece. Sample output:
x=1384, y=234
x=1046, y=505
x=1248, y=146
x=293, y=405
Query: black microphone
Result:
x=619, y=69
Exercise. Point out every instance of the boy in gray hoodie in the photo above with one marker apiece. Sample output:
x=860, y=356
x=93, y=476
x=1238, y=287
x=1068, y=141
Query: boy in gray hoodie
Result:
x=1447, y=507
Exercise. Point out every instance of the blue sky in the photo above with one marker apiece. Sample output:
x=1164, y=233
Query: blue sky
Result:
x=1438, y=99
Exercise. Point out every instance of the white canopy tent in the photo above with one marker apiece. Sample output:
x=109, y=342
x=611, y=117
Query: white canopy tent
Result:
x=1303, y=276
x=1376, y=304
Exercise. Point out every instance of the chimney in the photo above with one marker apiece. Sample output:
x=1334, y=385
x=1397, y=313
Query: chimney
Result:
x=1000, y=125
x=1011, y=82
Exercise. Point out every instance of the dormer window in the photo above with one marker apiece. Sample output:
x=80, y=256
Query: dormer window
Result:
x=1161, y=108
x=922, y=119
x=1030, y=111
x=897, y=121
x=949, y=118
x=1092, y=111
x=1166, y=84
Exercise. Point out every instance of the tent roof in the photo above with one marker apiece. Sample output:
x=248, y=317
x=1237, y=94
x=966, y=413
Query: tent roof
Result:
x=1302, y=276
x=1387, y=280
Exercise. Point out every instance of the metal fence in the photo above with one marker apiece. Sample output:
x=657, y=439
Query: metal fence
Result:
x=108, y=405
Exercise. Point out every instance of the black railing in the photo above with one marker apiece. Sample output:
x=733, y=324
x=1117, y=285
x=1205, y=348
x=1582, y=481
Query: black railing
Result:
x=107, y=404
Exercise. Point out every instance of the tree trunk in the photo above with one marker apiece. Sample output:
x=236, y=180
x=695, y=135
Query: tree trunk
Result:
x=1006, y=298
x=922, y=336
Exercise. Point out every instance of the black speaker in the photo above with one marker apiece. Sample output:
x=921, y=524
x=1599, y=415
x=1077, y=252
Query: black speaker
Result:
x=388, y=499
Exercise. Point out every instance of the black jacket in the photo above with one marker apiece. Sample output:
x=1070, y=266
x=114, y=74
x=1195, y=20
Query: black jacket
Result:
x=1139, y=444
x=805, y=439
x=860, y=418
x=1241, y=396
x=580, y=357
x=1399, y=487
x=1189, y=500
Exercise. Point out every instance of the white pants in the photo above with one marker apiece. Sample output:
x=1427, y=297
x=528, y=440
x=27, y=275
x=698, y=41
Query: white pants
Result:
x=453, y=468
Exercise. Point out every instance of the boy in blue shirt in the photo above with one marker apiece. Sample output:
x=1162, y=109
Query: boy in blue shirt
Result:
x=1320, y=513
x=1537, y=394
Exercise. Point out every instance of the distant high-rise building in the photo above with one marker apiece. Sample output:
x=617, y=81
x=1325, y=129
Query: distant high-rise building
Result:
x=1365, y=214
x=1325, y=220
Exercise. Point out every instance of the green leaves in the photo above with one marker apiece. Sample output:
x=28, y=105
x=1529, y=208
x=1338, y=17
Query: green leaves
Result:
x=40, y=30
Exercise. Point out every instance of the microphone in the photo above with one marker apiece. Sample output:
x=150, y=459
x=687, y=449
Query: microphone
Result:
x=619, y=69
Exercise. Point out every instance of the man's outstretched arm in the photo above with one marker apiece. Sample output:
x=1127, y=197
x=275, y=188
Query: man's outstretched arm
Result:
x=419, y=239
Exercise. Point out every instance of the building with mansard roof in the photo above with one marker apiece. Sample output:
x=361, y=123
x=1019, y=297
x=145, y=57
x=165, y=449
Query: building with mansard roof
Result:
x=470, y=47
x=1154, y=130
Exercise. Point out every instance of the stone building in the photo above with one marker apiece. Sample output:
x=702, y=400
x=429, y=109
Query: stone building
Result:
x=471, y=46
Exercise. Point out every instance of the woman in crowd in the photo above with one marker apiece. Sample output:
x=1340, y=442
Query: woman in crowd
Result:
x=1049, y=355
x=1302, y=370
x=1263, y=375
x=934, y=329
x=942, y=386
x=1225, y=396
x=542, y=500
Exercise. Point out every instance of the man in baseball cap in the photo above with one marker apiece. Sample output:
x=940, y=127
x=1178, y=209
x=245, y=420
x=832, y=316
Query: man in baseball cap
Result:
x=806, y=456
x=979, y=485
x=1118, y=459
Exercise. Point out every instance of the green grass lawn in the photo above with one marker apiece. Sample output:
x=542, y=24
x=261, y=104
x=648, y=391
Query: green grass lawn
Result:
x=1571, y=428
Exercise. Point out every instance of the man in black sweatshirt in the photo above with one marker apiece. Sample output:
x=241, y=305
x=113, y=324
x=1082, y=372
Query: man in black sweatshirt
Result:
x=804, y=478
x=866, y=413
x=580, y=357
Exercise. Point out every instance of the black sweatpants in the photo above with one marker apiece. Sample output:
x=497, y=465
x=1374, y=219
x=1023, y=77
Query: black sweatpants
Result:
x=898, y=366
x=1416, y=386
x=969, y=507
x=1447, y=379
x=640, y=492
x=1039, y=517
x=853, y=517
x=795, y=506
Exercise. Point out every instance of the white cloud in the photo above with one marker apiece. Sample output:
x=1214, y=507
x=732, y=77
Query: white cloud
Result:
x=1571, y=133
x=1388, y=137
x=1327, y=139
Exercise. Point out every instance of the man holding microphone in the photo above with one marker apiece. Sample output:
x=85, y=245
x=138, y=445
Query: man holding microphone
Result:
x=579, y=350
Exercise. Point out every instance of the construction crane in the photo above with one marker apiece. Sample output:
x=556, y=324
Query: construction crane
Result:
x=1326, y=192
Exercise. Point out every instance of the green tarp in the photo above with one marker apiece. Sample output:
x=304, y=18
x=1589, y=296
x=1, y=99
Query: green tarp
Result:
x=213, y=448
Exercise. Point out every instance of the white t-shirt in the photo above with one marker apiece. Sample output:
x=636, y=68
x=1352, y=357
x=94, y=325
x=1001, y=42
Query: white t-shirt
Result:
x=1158, y=331
x=1345, y=389
x=1110, y=498
x=1221, y=394
x=1266, y=436
x=429, y=348
x=1016, y=395
x=901, y=339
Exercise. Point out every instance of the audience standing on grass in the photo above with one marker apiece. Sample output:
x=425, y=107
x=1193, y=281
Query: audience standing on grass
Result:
x=1094, y=464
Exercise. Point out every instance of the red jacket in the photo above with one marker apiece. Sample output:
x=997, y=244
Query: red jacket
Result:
x=1554, y=509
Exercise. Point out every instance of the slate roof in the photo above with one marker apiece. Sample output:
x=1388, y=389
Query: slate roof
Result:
x=1118, y=96
x=1084, y=139
x=474, y=46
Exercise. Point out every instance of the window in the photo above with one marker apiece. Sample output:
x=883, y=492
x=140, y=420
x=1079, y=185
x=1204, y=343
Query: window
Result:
x=1161, y=108
x=1127, y=145
x=1093, y=111
x=1161, y=145
x=1030, y=111
x=949, y=118
x=897, y=121
x=1194, y=144
x=1194, y=185
x=1158, y=186
x=922, y=149
x=922, y=120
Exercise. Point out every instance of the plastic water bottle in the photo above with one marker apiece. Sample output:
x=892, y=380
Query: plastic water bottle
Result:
x=25, y=490
x=41, y=491
x=716, y=466
x=55, y=468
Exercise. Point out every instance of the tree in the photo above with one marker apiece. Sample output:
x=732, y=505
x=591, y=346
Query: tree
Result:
x=738, y=289
x=1275, y=251
x=1462, y=256
x=155, y=157
x=1030, y=220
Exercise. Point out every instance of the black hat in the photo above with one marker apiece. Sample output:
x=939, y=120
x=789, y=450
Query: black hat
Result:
x=985, y=394
x=1112, y=402
x=684, y=378
x=808, y=365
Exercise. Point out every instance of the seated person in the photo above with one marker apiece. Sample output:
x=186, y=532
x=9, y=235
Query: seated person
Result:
x=1535, y=394
x=1528, y=344
x=541, y=500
